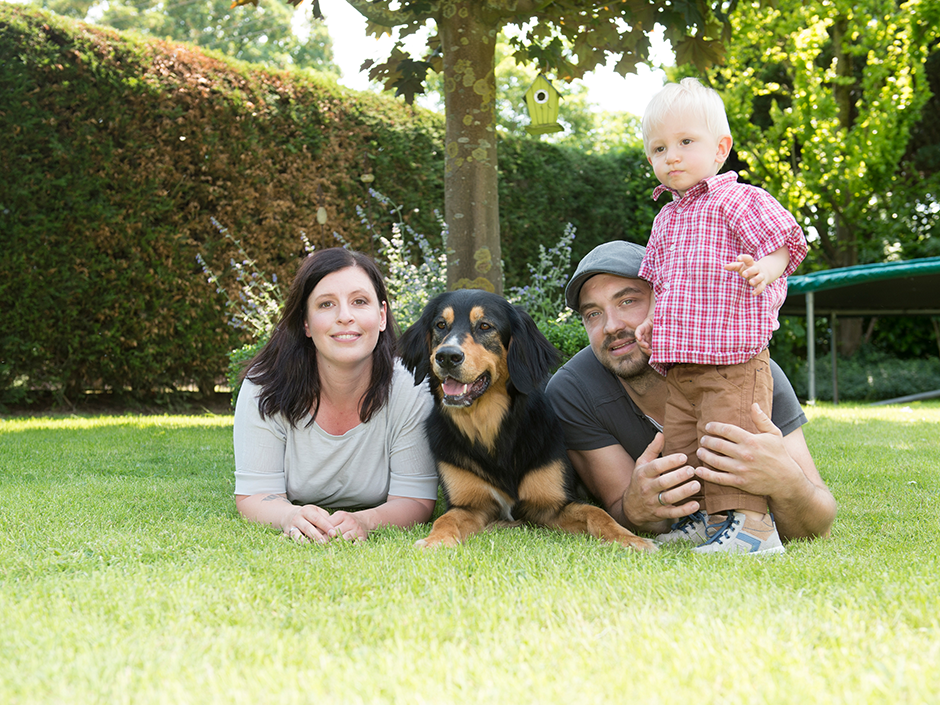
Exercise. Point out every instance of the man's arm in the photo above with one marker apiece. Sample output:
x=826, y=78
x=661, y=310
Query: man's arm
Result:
x=766, y=463
x=630, y=490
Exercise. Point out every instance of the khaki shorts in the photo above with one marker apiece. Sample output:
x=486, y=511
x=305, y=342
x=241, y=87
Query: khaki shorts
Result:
x=698, y=394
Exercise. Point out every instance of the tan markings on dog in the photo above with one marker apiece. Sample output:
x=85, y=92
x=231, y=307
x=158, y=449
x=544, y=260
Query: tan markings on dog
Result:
x=476, y=505
x=467, y=489
x=579, y=518
x=452, y=528
x=448, y=315
x=543, y=491
x=476, y=313
x=481, y=421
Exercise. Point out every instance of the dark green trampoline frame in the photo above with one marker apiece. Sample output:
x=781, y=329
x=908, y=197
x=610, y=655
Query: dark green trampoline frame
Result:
x=903, y=288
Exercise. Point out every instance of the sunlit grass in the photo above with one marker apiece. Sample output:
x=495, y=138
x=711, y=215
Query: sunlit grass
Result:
x=126, y=576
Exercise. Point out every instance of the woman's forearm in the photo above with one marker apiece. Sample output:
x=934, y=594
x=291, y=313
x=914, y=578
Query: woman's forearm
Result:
x=396, y=511
x=270, y=509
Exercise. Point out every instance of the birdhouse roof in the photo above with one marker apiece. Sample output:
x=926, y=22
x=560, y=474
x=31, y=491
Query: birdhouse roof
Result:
x=539, y=83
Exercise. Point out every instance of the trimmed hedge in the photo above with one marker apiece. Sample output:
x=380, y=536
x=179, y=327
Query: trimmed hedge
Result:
x=119, y=150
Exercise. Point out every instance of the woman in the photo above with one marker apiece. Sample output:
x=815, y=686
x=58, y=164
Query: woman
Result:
x=327, y=418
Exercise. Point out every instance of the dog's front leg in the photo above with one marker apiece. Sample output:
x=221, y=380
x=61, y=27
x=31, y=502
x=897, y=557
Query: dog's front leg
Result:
x=474, y=505
x=456, y=524
x=581, y=518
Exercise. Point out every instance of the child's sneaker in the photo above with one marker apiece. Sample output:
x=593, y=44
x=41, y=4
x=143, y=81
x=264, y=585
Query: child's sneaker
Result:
x=742, y=534
x=693, y=529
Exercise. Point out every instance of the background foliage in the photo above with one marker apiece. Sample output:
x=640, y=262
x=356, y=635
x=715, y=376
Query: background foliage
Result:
x=830, y=104
x=257, y=34
x=119, y=150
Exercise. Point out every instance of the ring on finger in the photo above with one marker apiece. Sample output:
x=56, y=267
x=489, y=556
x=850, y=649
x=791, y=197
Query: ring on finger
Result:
x=660, y=498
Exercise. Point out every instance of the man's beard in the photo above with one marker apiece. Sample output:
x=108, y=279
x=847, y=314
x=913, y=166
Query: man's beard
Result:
x=631, y=367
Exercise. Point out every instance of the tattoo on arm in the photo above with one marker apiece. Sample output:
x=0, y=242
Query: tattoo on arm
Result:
x=274, y=498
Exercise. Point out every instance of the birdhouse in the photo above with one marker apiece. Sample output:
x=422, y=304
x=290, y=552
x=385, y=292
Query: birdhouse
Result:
x=542, y=99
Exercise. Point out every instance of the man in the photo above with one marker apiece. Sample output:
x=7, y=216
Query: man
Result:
x=611, y=403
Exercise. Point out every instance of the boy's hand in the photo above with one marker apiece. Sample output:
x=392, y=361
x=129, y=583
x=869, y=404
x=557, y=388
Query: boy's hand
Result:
x=644, y=336
x=751, y=271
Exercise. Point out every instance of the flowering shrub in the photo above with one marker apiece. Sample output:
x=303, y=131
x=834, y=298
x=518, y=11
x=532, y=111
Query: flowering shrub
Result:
x=258, y=304
x=410, y=285
x=544, y=297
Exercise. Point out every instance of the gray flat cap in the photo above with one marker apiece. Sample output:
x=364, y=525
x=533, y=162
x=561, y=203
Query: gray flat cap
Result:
x=619, y=258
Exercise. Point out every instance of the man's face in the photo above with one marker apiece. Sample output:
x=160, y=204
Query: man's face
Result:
x=611, y=308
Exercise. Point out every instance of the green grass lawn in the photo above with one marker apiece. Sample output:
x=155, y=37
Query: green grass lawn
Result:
x=126, y=577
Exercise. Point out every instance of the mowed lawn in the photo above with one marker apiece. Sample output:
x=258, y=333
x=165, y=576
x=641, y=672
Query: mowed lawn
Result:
x=127, y=577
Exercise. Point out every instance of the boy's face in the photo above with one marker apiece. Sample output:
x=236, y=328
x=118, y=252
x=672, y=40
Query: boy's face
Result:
x=683, y=152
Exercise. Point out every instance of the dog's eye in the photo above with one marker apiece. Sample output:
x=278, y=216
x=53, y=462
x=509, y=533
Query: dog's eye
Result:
x=440, y=325
x=486, y=326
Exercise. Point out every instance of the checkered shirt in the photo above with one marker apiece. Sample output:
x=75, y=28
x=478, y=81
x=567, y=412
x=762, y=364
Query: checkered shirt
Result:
x=704, y=313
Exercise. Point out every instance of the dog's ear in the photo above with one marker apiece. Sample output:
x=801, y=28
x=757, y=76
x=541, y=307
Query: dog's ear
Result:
x=414, y=346
x=531, y=358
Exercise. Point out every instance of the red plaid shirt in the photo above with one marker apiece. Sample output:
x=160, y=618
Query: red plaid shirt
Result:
x=704, y=313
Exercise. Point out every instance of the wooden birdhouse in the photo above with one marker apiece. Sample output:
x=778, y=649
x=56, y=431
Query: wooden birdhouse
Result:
x=542, y=99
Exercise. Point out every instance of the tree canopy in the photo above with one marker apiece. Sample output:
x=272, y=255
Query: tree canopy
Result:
x=563, y=38
x=822, y=97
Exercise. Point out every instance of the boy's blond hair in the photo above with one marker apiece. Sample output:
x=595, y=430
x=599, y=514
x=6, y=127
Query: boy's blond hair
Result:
x=687, y=97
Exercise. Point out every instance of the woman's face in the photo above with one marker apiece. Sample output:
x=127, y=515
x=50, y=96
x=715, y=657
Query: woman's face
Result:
x=344, y=317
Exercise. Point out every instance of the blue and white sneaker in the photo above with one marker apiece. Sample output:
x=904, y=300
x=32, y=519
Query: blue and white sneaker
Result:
x=742, y=534
x=694, y=529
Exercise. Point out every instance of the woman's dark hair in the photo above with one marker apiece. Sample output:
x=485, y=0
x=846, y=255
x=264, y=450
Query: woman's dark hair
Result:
x=286, y=367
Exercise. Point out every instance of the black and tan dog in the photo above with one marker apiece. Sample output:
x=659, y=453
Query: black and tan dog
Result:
x=498, y=444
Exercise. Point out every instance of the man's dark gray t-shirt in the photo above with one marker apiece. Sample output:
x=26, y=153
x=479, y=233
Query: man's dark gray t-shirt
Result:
x=597, y=412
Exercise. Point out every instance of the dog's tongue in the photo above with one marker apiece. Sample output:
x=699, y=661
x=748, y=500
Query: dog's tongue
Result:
x=453, y=388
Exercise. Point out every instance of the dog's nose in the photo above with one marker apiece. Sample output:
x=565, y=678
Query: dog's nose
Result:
x=449, y=357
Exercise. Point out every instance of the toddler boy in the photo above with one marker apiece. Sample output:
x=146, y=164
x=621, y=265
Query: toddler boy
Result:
x=717, y=259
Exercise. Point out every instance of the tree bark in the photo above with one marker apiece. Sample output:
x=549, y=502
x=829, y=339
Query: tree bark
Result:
x=849, y=334
x=471, y=201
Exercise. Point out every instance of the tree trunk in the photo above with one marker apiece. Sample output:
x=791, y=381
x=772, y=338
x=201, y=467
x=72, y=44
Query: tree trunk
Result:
x=849, y=334
x=471, y=201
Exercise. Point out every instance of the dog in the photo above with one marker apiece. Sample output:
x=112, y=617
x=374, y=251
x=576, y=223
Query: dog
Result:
x=498, y=444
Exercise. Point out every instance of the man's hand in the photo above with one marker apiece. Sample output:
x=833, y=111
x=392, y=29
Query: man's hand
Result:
x=658, y=492
x=755, y=463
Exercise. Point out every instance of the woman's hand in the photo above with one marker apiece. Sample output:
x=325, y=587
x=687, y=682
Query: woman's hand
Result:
x=305, y=523
x=396, y=511
x=310, y=523
x=351, y=526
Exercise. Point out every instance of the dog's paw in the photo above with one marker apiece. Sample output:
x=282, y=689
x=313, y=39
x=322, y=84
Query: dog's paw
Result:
x=641, y=544
x=437, y=542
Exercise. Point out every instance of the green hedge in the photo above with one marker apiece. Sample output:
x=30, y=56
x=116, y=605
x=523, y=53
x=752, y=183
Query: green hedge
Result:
x=542, y=187
x=118, y=151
